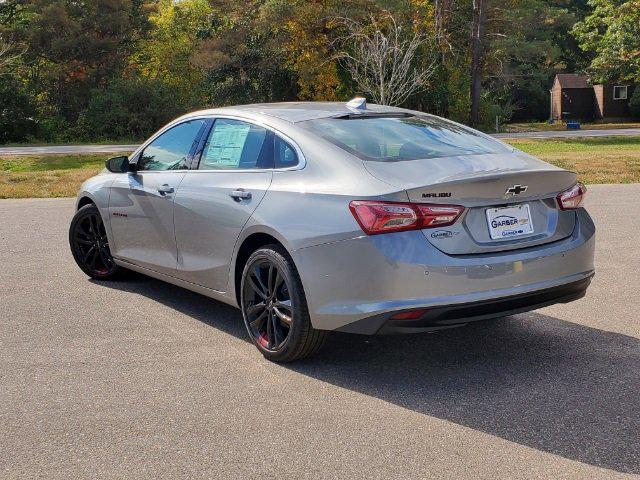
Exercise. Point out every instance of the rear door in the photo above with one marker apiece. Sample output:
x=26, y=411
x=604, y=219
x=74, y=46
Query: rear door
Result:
x=141, y=203
x=218, y=196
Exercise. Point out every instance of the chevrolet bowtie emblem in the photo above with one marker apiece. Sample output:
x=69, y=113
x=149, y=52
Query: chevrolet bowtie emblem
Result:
x=516, y=190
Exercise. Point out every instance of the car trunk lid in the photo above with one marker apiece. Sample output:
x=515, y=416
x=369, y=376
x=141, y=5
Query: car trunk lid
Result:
x=479, y=183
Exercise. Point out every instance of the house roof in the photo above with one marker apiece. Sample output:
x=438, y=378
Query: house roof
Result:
x=573, y=80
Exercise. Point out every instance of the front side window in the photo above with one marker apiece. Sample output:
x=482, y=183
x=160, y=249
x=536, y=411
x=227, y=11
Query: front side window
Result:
x=397, y=138
x=234, y=144
x=170, y=151
x=620, y=92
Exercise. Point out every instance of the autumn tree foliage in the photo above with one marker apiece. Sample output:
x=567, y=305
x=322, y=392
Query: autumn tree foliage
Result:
x=115, y=69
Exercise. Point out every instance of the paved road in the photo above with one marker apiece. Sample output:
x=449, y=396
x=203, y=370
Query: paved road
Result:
x=141, y=379
x=572, y=133
x=59, y=149
x=69, y=149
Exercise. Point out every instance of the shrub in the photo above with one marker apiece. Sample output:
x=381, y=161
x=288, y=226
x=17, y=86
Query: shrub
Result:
x=129, y=108
x=53, y=128
x=16, y=112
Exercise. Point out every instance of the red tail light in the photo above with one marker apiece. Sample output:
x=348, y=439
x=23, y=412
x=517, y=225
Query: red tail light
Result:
x=572, y=198
x=409, y=315
x=381, y=217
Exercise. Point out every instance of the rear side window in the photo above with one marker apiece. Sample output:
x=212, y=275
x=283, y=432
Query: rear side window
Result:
x=402, y=138
x=285, y=154
x=234, y=144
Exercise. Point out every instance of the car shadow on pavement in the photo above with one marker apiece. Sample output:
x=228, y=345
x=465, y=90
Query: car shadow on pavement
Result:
x=532, y=379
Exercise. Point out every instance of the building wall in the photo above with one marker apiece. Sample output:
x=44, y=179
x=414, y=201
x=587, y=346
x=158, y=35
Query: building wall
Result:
x=577, y=103
x=614, y=108
x=587, y=103
x=556, y=101
x=598, y=103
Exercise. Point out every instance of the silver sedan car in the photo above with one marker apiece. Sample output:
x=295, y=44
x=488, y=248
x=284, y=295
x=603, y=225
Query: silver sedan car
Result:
x=312, y=217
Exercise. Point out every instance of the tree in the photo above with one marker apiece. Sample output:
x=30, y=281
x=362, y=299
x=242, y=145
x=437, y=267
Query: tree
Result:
x=73, y=48
x=300, y=31
x=477, y=52
x=611, y=34
x=9, y=54
x=242, y=60
x=382, y=58
x=16, y=112
x=93, y=68
x=517, y=48
x=164, y=54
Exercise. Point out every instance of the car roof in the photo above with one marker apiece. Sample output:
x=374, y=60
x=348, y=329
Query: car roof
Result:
x=298, y=111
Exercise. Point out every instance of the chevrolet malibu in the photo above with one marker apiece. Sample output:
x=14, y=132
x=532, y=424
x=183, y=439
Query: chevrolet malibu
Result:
x=312, y=217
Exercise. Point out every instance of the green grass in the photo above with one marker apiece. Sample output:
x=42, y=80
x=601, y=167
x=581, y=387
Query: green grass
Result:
x=585, y=144
x=47, y=176
x=50, y=162
x=596, y=160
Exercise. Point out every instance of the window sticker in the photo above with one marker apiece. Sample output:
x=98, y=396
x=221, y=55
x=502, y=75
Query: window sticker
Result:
x=226, y=144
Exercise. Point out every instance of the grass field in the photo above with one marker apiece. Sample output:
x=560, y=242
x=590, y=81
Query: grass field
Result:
x=597, y=160
x=47, y=176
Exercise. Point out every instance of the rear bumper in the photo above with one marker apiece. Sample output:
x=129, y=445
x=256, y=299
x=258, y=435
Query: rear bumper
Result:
x=350, y=282
x=445, y=316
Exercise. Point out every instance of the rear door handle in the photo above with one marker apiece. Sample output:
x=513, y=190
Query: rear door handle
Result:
x=164, y=189
x=240, y=194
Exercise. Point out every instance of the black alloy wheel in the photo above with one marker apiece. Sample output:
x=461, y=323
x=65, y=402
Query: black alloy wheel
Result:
x=90, y=245
x=268, y=305
x=274, y=307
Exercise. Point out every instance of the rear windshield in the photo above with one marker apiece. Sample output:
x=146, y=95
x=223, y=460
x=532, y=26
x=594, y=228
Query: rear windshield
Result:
x=392, y=139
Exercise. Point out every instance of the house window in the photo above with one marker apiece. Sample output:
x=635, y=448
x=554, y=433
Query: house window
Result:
x=620, y=92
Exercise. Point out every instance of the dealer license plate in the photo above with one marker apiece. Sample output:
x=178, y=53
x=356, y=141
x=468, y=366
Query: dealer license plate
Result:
x=508, y=222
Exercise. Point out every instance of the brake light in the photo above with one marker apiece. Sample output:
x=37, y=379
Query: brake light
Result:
x=381, y=217
x=572, y=198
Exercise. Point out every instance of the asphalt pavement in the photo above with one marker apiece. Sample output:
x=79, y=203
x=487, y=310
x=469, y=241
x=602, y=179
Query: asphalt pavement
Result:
x=67, y=149
x=141, y=379
x=73, y=149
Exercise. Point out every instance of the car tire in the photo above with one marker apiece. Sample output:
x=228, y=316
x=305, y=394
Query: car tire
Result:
x=274, y=307
x=90, y=245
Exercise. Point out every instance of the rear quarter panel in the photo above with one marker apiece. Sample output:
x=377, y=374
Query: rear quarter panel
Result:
x=311, y=205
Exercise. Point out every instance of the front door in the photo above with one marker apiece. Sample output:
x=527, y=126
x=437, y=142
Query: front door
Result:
x=216, y=199
x=142, y=202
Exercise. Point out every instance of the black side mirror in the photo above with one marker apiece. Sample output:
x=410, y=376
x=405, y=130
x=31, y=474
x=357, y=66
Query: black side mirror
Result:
x=118, y=164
